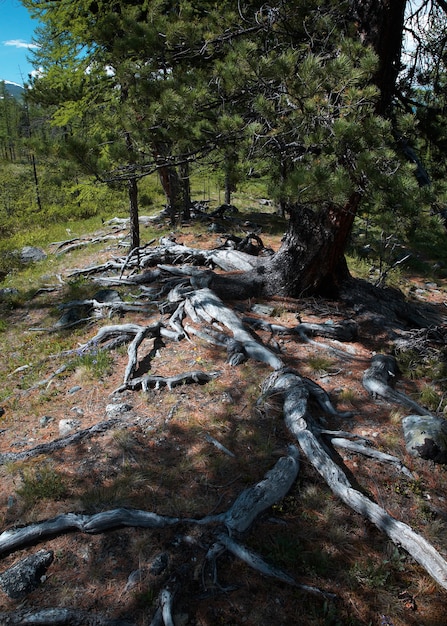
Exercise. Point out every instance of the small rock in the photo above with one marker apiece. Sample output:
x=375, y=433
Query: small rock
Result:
x=107, y=295
x=71, y=316
x=74, y=389
x=263, y=309
x=118, y=409
x=8, y=291
x=20, y=579
x=426, y=436
x=45, y=420
x=66, y=426
x=77, y=410
x=31, y=254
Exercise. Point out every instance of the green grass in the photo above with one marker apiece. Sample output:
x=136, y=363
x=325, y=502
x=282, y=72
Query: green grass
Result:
x=39, y=482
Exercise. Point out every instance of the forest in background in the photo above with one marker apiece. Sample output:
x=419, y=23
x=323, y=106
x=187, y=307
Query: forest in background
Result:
x=285, y=96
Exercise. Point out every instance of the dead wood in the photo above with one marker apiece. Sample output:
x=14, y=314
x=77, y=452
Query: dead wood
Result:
x=256, y=499
x=11, y=540
x=57, y=616
x=382, y=457
x=156, y=382
x=211, y=309
x=64, y=247
x=301, y=425
x=254, y=560
x=340, y=332
x=58, y=444
x=379, y=377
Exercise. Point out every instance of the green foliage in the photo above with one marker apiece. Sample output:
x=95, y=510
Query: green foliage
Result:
x=40, y=482
x=285, y=91
x=97, y=363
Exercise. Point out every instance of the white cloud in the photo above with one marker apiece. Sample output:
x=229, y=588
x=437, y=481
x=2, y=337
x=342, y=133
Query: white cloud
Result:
x=20, y=43
x=37, y=73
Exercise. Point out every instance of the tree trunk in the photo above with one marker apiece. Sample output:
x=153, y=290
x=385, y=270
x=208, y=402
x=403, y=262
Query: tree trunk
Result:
x=186, y=190
x=132, y=187
x=381, y=25
x=311, y=259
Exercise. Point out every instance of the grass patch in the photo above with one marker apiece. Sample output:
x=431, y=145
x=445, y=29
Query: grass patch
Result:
x=39, y=482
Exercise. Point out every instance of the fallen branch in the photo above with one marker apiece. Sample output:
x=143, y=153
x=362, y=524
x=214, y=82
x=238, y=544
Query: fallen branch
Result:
x=14, y=539
x=58, y=616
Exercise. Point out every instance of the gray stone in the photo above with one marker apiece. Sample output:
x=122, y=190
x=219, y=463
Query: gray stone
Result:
x=118, y=409
x=20, y=579
x=426, y=436
x=8, y=291
x=107, y=295
x=71, y=316
x=263, y=309
x=31, y=254
x=45, y=420
x=66, y=426
x=74, y=389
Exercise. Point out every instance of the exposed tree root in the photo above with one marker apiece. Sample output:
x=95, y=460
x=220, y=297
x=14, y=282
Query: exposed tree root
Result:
x=188, y=292
x=379, y=377
x=57, y=616
x=302, y=426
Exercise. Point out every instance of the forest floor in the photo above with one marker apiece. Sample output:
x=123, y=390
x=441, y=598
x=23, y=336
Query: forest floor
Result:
x=158, y=458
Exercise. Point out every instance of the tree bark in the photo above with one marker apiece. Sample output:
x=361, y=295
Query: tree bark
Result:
x=311, y=259
x=381, y=25
x=132, y=187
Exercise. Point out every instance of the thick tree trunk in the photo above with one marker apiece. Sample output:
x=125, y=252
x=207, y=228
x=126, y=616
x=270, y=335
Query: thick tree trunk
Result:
x=311, y=258
x=310, y=261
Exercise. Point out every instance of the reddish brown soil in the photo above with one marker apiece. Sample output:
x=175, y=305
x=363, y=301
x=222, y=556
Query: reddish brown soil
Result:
x=159, y=460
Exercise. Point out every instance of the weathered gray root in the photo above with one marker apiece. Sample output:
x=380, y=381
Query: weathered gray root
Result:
x=379, y=377
x=211, y=308
x=256, y=499
x=152, y=381
x=340, y=332
x=58, y=444
x=254, y=560
x=57, y=616
x=300, y=424
x=14, y=539
x=382, y=457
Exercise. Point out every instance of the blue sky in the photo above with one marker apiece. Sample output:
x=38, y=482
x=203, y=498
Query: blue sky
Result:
x=16, y=33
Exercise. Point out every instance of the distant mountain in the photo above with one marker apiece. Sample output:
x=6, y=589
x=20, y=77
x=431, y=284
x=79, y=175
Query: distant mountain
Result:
x=14, y=89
